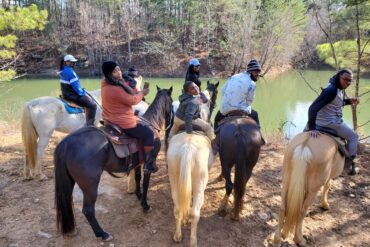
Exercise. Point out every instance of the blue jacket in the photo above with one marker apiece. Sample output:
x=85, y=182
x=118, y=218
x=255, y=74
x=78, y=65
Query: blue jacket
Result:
x=70, y=83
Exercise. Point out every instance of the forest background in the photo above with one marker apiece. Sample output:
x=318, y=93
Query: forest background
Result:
x=160, y=36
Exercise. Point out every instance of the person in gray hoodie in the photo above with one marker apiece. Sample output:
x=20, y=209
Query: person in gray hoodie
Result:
x=326, y=112
x=188, y=112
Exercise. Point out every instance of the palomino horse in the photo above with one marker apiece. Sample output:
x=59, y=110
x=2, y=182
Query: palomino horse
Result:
x=189, y=157
x=41, y=117
x=309, y=164
x=82, y=156
x=240, y=144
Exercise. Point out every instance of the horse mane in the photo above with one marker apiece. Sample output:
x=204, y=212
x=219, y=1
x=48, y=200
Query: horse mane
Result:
x=157, y=110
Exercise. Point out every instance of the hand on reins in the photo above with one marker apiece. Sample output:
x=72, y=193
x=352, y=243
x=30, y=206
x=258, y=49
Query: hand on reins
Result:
x=314, y=133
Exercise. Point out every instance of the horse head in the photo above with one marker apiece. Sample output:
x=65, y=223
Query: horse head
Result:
x=211, y=94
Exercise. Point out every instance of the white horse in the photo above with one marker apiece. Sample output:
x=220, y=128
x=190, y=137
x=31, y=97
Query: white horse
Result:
x=41, y=117
x=189, y=157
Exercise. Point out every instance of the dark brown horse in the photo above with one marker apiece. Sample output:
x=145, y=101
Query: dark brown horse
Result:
x=83, y=155
x=240, y=144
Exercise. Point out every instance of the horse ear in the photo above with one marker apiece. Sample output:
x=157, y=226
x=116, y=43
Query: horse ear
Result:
x=170, y=91
x=217, y=84
x=158, y=88
x=207, y=83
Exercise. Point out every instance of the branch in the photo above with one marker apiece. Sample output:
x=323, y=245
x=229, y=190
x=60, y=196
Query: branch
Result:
x=308, y=84
x=361, y=125
x=364, y=138
x=363, y=48
x=360, y=95
x=10, y=63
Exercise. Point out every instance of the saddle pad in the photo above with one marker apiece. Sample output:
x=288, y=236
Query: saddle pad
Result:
x=71, y=109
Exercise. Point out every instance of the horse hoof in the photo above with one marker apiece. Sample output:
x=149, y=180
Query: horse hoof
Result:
x=222, y=213
x=324, y=207
x=177, y=239
x=147, y=209
x=139, y=196
x=42, y=177
x=106, y=237
x=72, y=234
x=234, y=218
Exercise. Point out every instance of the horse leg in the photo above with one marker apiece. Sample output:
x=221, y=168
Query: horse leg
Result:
x=130, y=182
x=298, y=235
x=144, y=203
x=324, y=196
x=198, y=200
x=90, y=194
x=41, y=146
x=26, y=168
x=137, y=180
x=226, y=171
x=177, y=237
x=278, y=233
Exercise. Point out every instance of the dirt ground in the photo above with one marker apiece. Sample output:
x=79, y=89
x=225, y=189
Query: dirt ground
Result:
x=27, y=214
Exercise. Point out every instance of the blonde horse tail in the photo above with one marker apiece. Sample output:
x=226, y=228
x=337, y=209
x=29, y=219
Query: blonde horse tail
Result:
x=29, y=137
x=184, y=182
x=296, y=187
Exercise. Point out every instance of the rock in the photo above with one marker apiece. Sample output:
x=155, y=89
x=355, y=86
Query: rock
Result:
x=263, y=216
x=154, y=231
x=44, y=234
x=111, y=245
x=13, y=245
x=352, y=195
x=36, y=200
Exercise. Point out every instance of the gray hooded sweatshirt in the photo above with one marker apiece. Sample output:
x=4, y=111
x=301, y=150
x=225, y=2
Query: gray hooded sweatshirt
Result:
x=188, y=110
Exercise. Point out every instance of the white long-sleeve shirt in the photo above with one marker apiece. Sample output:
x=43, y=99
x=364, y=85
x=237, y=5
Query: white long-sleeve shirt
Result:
x=238, y=93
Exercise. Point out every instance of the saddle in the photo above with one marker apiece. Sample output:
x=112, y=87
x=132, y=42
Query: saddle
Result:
x=71, y=108
x=341, y=143
x=236, y=114
x=124, y=146
x=196, y=129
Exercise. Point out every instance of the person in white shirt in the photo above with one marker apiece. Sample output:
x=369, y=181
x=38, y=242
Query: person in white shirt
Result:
x=237, y=97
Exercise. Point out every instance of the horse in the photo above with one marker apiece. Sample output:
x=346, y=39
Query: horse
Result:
x=82, y=156
x=240, y=144
x=189, y=157
x=309, y=163
x=41, y=117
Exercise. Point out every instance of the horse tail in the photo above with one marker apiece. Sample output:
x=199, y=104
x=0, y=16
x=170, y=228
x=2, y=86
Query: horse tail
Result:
x=240, y=170
x=64, y=184
x=29, y=137
x=184, y=182
x=295, y=187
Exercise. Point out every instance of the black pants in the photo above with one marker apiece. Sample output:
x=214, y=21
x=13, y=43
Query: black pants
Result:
x=88, y=103
x=253, y=115
x=142, y=132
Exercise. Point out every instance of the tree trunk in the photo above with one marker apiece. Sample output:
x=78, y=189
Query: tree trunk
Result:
x=358, y=70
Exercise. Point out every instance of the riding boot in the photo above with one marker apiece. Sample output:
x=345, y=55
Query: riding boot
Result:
x=149, y=165
x=349, y=163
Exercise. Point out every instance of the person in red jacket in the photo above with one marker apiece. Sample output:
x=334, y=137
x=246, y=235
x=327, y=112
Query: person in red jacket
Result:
x=117, y=101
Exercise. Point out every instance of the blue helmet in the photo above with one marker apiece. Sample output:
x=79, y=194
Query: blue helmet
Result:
x=194, y=62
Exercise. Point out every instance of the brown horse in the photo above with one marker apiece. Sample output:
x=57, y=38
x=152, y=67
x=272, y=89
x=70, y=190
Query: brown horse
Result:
x=240, y=144
x=309, y=164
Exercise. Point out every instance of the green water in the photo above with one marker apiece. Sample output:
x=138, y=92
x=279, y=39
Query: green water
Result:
x=284, y=99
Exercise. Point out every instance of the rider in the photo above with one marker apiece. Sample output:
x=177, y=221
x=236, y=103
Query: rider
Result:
x=192, y=74
x=238, y=95
x=117, y=101
x=189, y=112
x=326, y=111
x=71, y=88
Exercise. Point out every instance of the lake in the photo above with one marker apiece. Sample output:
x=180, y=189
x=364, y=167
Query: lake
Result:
x=282, y=102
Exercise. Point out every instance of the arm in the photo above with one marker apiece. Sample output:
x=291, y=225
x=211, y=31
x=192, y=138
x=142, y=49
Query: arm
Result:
x=326, y=96
x=75, y=83
x=250, y=94
x=128, y=99
x=189, y=113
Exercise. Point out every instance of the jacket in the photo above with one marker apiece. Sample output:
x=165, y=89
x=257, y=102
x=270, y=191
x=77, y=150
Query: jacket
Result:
x=188, y=110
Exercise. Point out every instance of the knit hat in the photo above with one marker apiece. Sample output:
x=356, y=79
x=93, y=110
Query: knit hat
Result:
x=132, y=68
x=194, y=62
x=108, y=67
x=253, y=65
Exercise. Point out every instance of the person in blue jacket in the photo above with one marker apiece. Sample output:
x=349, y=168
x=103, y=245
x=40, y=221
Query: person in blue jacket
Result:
x=72, y=91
